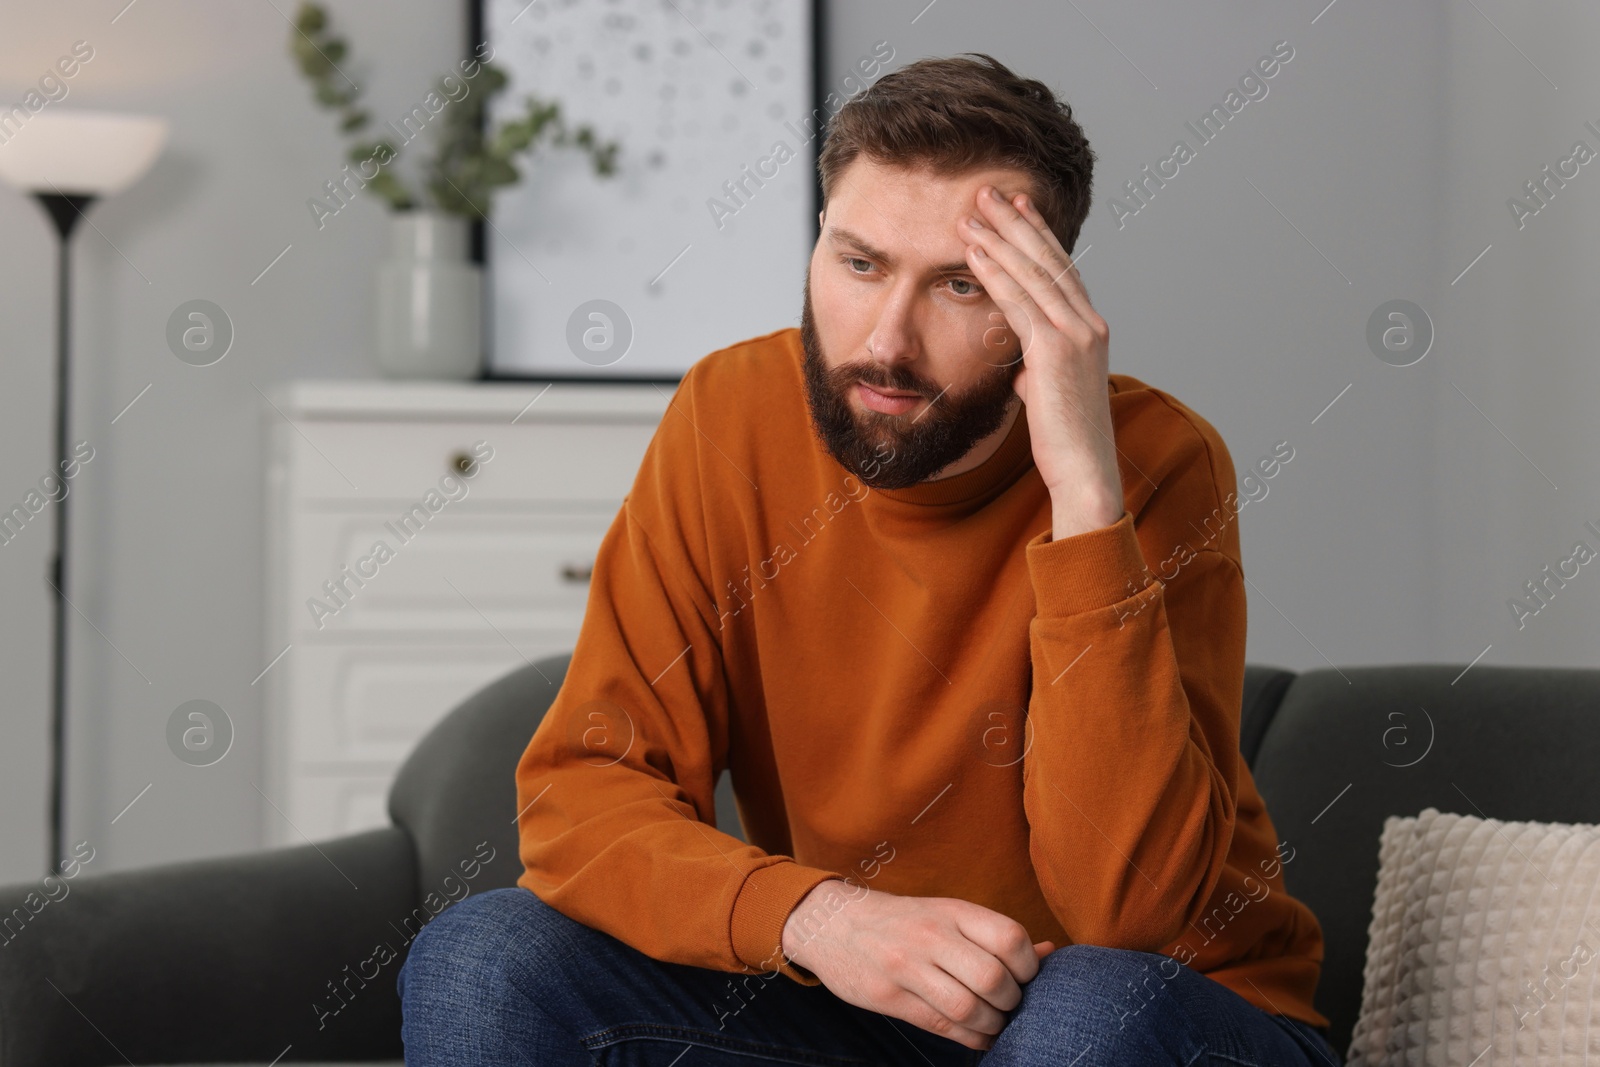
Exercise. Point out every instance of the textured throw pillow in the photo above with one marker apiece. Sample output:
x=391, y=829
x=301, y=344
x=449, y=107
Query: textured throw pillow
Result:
x=1484, y=946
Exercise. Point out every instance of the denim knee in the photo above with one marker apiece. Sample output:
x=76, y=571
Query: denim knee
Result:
x=471, y=952
x=1116, y=1001
x=478, y=977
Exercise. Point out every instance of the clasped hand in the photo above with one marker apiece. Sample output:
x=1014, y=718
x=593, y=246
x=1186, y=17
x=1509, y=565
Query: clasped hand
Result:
x=949, y=966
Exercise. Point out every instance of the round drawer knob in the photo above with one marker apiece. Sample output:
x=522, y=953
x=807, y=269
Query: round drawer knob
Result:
x=576, y=574
x=464, y=463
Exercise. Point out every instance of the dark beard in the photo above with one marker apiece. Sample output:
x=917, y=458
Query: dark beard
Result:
x=891, y=451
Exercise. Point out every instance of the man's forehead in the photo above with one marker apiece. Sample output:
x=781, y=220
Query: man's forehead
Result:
x=866, y=179
x=893, y=206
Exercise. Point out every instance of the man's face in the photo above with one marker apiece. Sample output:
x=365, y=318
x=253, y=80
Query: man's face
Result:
x=891, y=304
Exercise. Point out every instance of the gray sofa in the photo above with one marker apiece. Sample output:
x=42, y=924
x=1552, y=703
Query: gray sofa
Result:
x=234, y=960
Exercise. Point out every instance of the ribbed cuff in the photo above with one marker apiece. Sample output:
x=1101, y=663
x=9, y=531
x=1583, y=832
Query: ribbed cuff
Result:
x=1086, y=571
x=762, y=907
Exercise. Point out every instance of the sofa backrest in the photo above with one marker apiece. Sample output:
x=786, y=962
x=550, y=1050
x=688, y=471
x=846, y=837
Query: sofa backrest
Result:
x=1346, y=748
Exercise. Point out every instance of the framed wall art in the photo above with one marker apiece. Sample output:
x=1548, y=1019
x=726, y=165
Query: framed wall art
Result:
x=701, y=236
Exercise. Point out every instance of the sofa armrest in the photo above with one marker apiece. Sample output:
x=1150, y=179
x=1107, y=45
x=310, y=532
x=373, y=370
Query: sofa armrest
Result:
x=226, y=959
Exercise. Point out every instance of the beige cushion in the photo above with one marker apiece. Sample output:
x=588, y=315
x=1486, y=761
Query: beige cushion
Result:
x=1485, y=934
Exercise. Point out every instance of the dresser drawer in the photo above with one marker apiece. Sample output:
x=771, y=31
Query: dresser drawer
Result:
x=357, y=704
x=403, y=461
x=467, y=571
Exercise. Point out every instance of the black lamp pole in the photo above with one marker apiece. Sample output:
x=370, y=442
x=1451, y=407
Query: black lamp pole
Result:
x=64, y=209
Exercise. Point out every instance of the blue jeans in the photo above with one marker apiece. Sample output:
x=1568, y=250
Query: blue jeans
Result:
x=503, y=978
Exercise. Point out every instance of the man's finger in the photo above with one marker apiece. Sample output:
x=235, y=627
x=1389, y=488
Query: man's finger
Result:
x=1001, y=937
x=951, y=997
x=1027, y=230
x=1010, y=273
x=980, y=971
x=919, y=1013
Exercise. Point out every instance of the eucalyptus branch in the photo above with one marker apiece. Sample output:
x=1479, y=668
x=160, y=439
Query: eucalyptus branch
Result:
x=318, y=52
x=468, y=164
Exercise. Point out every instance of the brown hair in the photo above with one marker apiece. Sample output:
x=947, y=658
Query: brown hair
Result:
x=954, y=114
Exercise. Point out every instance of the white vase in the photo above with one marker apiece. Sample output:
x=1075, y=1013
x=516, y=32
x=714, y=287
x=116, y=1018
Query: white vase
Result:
x=430, y=299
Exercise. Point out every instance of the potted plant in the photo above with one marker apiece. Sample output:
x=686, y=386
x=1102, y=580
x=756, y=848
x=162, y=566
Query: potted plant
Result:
x=429, y=297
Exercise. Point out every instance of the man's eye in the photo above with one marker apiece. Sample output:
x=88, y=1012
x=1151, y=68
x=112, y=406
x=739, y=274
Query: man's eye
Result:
x=851, y=261
x=974, y=287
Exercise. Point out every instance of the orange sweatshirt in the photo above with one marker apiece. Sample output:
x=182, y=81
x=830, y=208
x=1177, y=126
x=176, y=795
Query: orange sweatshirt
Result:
x=916, y=690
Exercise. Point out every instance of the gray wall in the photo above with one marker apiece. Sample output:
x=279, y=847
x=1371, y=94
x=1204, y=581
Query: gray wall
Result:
x=1377, y=167
x=1212, y=296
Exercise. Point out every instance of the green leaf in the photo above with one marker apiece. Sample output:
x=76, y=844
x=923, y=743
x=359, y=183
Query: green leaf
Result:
x=313, y=64
x=389, y=189
x=494, y=79
x=454, y=198
x=513, y=137
x=310, y=18
x=499, y=172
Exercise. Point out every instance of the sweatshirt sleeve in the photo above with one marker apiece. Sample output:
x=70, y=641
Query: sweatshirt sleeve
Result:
x=1137, y=647
x=615, y=790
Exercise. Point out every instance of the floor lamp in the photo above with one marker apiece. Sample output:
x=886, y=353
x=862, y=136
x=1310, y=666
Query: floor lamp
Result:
x=66, y=160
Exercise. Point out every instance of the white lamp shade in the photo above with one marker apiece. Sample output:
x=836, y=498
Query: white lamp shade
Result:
x=96, y=153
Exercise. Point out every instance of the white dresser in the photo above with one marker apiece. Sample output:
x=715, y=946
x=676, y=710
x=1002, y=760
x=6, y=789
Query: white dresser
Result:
x=488, y=501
